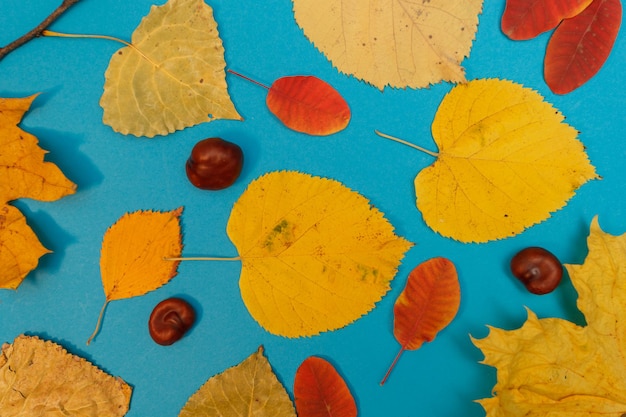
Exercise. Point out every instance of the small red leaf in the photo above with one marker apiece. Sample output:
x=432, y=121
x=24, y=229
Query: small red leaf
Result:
x=320, y=391
x=427, y=304
x=580, y=46
x=525, y=19
x=309, y=105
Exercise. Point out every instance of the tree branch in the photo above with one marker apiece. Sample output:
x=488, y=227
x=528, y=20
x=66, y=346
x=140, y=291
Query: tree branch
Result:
x=37, y=31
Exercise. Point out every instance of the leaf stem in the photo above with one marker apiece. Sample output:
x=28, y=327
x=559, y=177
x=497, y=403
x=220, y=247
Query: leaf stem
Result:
x=37, y=30
x=393, y=364
x=248, y=79
x=204, y=258
x=99, y=323
x=404, y=142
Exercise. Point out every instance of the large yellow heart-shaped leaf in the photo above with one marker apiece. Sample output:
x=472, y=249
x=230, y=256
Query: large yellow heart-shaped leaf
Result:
x=171, y=76
x=315, y=255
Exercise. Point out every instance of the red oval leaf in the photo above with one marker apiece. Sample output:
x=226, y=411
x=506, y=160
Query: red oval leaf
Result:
x=524, y=19
x=580, y=46
x=320, y=391
x=427, y=304
x=309, y=105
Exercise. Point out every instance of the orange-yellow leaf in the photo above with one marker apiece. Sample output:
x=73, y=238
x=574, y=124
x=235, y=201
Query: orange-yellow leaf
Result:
x=20, y=249
x=40, y=378
x=134, y=251
x=552, y=367
x=427, y=304
x=320, y=391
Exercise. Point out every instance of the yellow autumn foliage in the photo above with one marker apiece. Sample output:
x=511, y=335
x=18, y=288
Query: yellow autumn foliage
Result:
x=315, y=255
x=552, y=367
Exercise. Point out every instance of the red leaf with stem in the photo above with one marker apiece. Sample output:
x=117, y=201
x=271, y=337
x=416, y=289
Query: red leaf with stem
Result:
x=525, y=19
x=306, y=104
x=320, y=391
x=427, y=304
x=579, y=46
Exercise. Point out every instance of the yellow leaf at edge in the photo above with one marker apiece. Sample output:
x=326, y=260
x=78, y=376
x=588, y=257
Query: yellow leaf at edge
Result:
x=39, y=377
x=23, y=172
x=20, y=248
x=392, y=42
x=249, y=389
x=553, y=367
x=506, y=162
x=132, y=261
x=315, y=255
x=173, y=77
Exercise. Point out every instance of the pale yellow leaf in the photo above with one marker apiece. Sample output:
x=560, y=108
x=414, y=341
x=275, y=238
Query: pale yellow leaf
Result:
x=133, y=260
x=506, y=161
x=20, y=248
x=397, y=43
x=39, y=378
x=551, y=367
x=172, y=76
x=315, y=255
x=249, y=389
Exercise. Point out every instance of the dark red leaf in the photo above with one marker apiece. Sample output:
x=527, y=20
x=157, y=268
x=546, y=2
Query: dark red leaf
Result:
x=525, y=19
x=320, y=391
x=580, y=46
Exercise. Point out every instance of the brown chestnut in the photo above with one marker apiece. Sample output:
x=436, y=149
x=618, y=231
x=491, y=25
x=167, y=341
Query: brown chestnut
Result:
x=170, y=320
x=538, y=269
x=214, y=164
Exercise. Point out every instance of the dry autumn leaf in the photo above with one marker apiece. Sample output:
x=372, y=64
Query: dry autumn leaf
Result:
x=40, y=378
x=580, y=45
x=134, y=249
x=553, y=367
x=390, y=42
x=427, y=304
x=172, y=74
x=315, y=255
x=506, y=161
x=319, y=391
x=249, y=389
x=23, y=174
x=306, y=104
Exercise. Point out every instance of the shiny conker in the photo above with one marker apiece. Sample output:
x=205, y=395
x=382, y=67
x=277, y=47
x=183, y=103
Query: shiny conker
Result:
x=214, y=164
x=170, y=320
x=538, y=269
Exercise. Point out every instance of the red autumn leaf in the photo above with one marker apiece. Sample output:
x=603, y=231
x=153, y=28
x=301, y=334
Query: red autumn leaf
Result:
x=306, y=104
x=320, y=391
x=580, y=46
x=427, y=304
x=525, y=19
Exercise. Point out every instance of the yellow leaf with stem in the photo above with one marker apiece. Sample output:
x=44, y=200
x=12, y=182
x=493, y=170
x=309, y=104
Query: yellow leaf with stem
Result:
x=315, y=255
x=552, y=367
x=506, y=161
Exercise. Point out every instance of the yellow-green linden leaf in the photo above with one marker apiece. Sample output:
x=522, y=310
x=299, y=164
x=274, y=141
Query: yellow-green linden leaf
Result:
x=551, y=367
x=315, y=255
x=172, y=76
x=249, y=389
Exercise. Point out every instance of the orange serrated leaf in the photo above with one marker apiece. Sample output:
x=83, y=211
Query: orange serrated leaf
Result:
x=580, y=45
x=320, y=391
x=427, y=304
x=134, y=251
x=523, y=19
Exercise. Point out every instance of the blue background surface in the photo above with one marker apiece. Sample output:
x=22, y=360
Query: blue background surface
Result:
x=115, y=174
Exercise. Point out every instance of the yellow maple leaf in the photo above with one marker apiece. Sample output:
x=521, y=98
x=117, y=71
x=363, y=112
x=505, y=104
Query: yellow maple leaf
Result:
x=551, y=367
x=393, y=42
x=134, y=251
x=39, y=377
x=506, y=161
x=249, y=389
x=172, y=74
x=315, y=255
x=23, y=174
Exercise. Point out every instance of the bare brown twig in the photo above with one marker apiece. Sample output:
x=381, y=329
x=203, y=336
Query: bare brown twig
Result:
x=38, y=30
